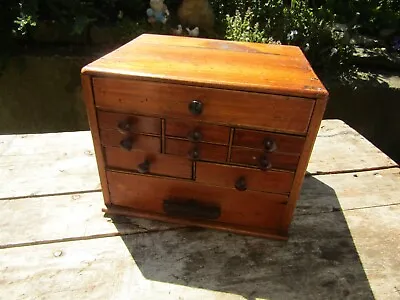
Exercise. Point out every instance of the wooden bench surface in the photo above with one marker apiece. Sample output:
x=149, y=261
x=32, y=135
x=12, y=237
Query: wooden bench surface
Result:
x=56, y=243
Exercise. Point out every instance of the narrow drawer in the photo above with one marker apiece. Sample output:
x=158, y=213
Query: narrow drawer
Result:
x=252, y=157
x=198, y=132
x=148, y=194
x=148, y=163
x=126, y=123
x=256, y=110
x=112, y=138
x=268, y=141
x=196, y=151
x=244, y=179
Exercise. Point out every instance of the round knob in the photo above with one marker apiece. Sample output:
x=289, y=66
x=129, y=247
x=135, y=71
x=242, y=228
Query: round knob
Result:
x=144, y=167
x=124, y=126
x=196, y=107
x=240, y=184
x=195, y=136
x=264, y=163
x=194, y=154
x=269, y=145
x=127, y=144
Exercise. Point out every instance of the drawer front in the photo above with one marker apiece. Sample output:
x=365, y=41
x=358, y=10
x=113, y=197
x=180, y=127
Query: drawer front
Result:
x=244, y=179
x=129, y=123
x=112, y=138
x=207, y=152
x=251, y=157
x=199, y=132
x=149, y=193
x=263, y=111
x=268, y=141
x=148, y=163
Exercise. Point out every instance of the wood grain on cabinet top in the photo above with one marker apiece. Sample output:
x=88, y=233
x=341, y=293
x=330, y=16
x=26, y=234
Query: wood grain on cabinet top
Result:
x=206, y=62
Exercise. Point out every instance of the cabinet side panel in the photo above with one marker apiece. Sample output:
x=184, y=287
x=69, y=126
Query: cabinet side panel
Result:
x=93, y=123
x=315, y=123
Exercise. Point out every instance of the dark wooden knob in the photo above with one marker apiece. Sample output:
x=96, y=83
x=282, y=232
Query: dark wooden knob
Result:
x=264, y=163
x=269, y=145
x=144, y=167
x=196, y=107
x=241, y=184
x=124, y=126
x=127, y=144
x=194, y=154
x=195, y=136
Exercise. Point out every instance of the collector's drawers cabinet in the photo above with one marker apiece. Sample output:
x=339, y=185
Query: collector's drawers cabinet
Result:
x=204, y=132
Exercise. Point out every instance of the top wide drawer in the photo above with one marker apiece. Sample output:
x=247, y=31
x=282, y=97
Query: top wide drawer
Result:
x=236, y=108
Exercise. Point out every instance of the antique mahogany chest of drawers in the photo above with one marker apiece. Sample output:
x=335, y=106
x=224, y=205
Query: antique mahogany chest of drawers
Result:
x=204, y=132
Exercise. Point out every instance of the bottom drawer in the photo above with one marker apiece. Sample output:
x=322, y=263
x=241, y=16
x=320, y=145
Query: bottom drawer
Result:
x=174, y=197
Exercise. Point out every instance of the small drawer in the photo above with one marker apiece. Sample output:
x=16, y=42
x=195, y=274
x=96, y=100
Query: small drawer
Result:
x=268, y=141
x=189, y=200
x=244, y=179
x=253, y=157
x=197, y=132
x=128, y=142
x=224, y=107
x=148, y=163
x=196, y=151
x=129, y=123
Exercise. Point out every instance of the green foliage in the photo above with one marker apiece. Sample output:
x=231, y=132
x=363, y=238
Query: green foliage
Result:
x=298, y=24
x=78, y=15
x=243, y=28
x=372, y=15
x=308, y=24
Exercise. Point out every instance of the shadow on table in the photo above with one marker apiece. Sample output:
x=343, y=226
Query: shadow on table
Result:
x=319, y=261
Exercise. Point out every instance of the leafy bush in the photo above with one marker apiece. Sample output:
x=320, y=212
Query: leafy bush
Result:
x=244, y=29
x=308, y=24
x=298, y=24
x=371, y=16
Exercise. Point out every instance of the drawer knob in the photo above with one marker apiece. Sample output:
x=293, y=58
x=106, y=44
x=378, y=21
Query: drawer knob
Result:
x=264, y=163
x=194, y=154
x=241, y=184
x=124, y=126
x=195, y=136
x=196, y=107
x=144, y=167
x=127, y=144
x=269, y=145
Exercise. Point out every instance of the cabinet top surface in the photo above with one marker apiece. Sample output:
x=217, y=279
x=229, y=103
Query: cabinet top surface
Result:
x=213, y=63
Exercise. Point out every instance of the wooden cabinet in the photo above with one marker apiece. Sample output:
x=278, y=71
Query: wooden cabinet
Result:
x=204, y=132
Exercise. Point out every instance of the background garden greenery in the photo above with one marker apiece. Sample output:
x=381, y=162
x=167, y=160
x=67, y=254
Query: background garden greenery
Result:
x=310, y=24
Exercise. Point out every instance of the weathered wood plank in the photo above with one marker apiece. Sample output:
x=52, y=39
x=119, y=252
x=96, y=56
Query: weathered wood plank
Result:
x=38, y=164
x=79, y=216
x=320, y=261
x=326, y=193
x=376, y=233
x=42, y=164
x=339, y=148
x=66, y=217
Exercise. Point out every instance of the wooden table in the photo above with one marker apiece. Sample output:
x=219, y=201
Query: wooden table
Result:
x=55, y=243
